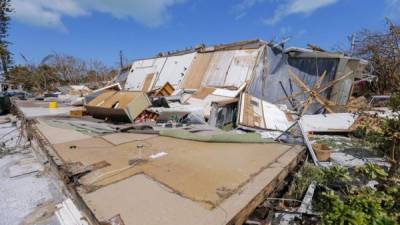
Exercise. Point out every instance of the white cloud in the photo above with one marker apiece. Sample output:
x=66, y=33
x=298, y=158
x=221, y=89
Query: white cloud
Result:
x=45, y=12
x=49, y=13
x=240, y=9
x=297, y=7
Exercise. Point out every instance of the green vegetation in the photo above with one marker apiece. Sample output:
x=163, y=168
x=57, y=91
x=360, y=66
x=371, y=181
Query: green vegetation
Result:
x=346, y=196
x=387, y=139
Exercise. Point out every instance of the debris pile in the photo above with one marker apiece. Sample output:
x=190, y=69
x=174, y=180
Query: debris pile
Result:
x=251, y=85
x=206, y=129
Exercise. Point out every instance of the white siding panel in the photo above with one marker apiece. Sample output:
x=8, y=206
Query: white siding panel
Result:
x=328, y=122
x=274, y=118
x=140, y=69
x=174, y=70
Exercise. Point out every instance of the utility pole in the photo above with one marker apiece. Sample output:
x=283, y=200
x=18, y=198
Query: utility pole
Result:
x=353, y=43
x=120, y=59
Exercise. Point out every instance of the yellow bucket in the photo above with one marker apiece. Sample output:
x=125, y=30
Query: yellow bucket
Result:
x=52, y=105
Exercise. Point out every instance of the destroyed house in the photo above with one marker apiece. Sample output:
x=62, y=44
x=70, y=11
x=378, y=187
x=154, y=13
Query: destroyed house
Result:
x=137, y=170
x=219, y=74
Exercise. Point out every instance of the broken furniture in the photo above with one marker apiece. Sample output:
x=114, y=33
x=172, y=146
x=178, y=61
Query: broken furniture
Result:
x=120, y=106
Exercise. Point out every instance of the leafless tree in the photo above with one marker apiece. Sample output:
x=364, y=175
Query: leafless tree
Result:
x=56, y=69
x=382, y=50
x=70, y=69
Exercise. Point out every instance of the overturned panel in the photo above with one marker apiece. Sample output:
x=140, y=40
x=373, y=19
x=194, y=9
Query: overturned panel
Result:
x=119, y=106
x=256, y=113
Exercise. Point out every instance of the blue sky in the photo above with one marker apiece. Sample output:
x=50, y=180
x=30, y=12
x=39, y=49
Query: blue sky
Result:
x=99, y=29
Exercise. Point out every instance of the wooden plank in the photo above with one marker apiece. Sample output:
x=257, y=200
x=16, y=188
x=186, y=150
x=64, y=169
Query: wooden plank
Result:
x=148, y=81
x=197, y=70
x=166, y=90
x=242, y=216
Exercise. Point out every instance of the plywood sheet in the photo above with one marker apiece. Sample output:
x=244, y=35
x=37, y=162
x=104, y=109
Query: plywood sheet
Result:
x=121, y=138
x=218, y=68
x=198, y=69
x=138, y=197
x=230, y=68
x=56, y=135
x=148, y=81
x=241, y=67
x=203, y=92
x=99, y=100
x=141, y=200
x=121, y=98
x=209, y=173
x=120, y=106
x=203, y=172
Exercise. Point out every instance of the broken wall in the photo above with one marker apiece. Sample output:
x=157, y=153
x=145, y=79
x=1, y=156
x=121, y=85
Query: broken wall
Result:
x=271, y=74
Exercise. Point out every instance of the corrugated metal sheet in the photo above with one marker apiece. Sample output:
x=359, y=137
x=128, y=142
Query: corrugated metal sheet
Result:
x=140, y=73
x=340, y=92
x=194, y=76
x=230, y=68
x=174, y=70
x=256, y=113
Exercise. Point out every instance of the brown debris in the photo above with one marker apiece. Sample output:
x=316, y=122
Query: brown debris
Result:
x=367, y=123
x=357, y=104
x=115, y=220
x=77, y=168
x=322, y=151
x=203, y=92
x=166, y=90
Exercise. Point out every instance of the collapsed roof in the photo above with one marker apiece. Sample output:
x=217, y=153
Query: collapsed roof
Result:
x=262, y=66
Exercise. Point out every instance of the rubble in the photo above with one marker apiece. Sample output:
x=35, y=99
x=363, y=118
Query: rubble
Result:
x=29, y=191
x=202, y=136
